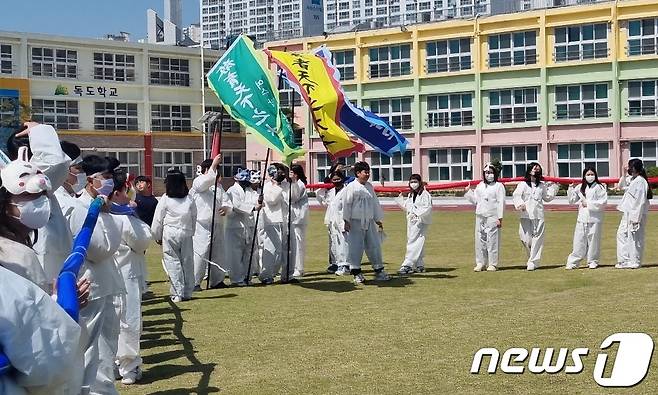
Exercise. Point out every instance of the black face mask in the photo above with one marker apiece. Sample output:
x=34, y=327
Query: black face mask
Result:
x=245, y=184
x=338, y=184
x=280, y=177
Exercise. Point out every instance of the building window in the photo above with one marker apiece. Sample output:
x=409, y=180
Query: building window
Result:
x=231, y=161
x=581, y=42
x=6, y=66
x=323, y=164
x=288, y=96
x=513, y=105
x=645, y=150
x=448, y=55
x=643, y=37
x=455, y=109
x=573, y=158
x=53, y=62
x=397, y=112
x=515, y=160
x=229, y=125
x=115, y=116
x=114, y=67
x=166, y=118
x=390, y=61
x=131, y=161
x=166, y=160
x=642, y=98
x=344, y=62
x=450, y=164
x=61, y=114
x=397, y=167
x=581, y=101
x=512, y=49
x=165, y=71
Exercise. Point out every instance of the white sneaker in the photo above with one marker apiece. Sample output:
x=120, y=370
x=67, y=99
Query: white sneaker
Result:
x=132, y=377
x=382, y=276
x=176, y=299
x=359, y=279
x=627, y=265
x=491, y=268
x=405, y=270
x=343, y=270
x=593, y=265
x=297, y=273
x=570, y=266
x=531, y=267
x=478, y=268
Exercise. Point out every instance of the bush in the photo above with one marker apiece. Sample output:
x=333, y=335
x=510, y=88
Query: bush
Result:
x=652, y=171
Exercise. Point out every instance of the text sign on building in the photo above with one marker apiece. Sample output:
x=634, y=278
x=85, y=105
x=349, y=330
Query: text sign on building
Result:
x=88, y=90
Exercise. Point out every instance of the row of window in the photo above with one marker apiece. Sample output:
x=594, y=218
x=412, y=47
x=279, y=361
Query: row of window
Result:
x=455, y=164
x=573, y=43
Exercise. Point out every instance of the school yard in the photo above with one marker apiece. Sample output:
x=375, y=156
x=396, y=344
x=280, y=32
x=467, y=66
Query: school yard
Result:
x=411, y=335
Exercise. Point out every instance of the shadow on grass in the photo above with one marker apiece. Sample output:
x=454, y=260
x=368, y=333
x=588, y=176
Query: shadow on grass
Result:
x=155, y=300
x=160, y=311
x=157, y=322
x=328, y=285
x=195, y=297
x=438, y=270
x=523, y=267
x=185, y=391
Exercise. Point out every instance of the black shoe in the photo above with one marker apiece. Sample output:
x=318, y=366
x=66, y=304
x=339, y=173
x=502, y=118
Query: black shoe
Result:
x=219, y=285
x=197, y=288
x=293, y=281
x=332, y=269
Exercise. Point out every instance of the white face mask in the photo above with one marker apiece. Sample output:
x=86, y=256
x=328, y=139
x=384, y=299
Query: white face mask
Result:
x=80, y=182
x=489, y=177
x=414, y=185
x=34, y=213
x=589, y=179
x=107, y=186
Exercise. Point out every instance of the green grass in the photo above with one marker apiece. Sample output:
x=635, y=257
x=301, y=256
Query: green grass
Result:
x=410, y=335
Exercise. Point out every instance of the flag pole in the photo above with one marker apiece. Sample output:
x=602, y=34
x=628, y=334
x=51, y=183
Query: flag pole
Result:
x=260, y=201
x=292, y=125
x=214, y=197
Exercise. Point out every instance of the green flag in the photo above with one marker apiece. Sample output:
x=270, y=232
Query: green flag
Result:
x=244, y=85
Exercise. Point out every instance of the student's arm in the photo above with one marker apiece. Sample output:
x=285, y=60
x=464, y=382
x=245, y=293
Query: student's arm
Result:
x=550, y=191
x=500, y=196
x=517, y=197
x=471, y=195
x=105, y=238
x=638, y=191
x=47, y=154
x=239, y=201
x=572, y=194
x=272, y=194
x=423, y=206
x=136, y=234
x=321, y=197
x=599, y=199
x=348, y=200
x=158, y=218
x=193, y=211
x=378, y=215
x=400, y=200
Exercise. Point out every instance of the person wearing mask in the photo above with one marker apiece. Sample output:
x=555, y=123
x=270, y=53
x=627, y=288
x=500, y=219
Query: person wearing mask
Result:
x=173, y=227
x=591, y=197
x=418, y=206
x=202, y=193
x=333, y=220
x=299, y=211
x=529, y=197
x=634, y=206
x=75, y=182
x=363, y=216
x=254, y=196
x=145, y=200
x=130, y=259
x=489, y=200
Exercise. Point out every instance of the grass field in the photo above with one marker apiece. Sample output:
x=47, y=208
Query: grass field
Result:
x=410, y=335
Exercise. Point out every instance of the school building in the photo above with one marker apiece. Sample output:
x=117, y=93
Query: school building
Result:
x=138, y=102
x=567, y=87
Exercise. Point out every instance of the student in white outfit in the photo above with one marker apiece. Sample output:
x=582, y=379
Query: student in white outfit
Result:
x=363, y=216
x=173, y=227
x=202, y=193
x=239, y=227
x=591, y=197
x=299, y=220
x=418, y=206
x=135, y=239
x=333, y=220
x=324, y=197
x=529, y=198
x=76, y=180
x=254, y=197
x=489, y=200
x=635, y=206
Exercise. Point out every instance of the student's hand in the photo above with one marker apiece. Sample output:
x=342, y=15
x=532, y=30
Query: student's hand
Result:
x=572, y=185
x=348, y=226
x=215, y=162
x=380, y=225
x=467, y=188
x=158, y=242
x=222, y=211
x=522, y=207
x=584, y=202
x=26, y=132
x=84, y=290
x=499, y=223
x=635, y=226
x=258, y=206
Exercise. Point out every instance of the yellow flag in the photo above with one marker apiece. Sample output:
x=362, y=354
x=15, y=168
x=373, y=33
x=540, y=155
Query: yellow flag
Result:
x=309, y=75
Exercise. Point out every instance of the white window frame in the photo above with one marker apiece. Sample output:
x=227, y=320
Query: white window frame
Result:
x=462, y=165
x=171, y=74
x=576, y=163
x=523, y=106
x=641, y=102
x=448, y=110
x=125, y=156
x=399, y=118
x=323, y=164
x=514, y=159
x=511, y=55
x=442, y=57
x=125, y=116
x=174, y=115
x=646, y=42
x=61, y=114
x=568, y=48
x=109, y=67
x=6, y=59
x=173, y=159
x=54, y=65
x=346, y=69
x=397, y=168
x=581, y=108
x=394, y=67
x=649, y=159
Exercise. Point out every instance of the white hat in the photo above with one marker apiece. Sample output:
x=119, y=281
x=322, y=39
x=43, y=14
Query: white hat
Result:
x=21, y=176
x=255, y=177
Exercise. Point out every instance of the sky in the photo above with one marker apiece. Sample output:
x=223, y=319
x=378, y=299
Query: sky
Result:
x=86, y=18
